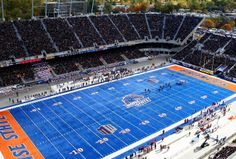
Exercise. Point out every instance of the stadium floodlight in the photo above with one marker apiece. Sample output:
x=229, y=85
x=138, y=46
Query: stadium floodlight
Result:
x=59, y=8
x=3, y=18
x=70, y=8
x=92, y=6
x=32, y=9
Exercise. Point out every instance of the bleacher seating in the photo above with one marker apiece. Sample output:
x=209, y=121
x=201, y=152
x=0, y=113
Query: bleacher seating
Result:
x=139, y=22
x=61, y=34
x=225, y=152
x=107, y=29
x=185, y=51
x=203, y=53
x=124, y=25
x=15, y=74
x=232, y=72
x=34, y=37
x=26, y=38
x=230, y=49
x=215, y=42
x=9, y=42
x=85, y=31
x=187, y=27
x=172, y=24
x=156, y=24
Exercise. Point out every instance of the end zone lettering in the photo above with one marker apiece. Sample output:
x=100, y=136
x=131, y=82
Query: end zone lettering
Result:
x=12, y=145
x=6, y=131
x=19, y=151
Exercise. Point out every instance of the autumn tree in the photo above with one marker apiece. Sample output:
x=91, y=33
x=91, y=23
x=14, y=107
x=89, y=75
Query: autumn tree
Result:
x=208, y=23
x=227, y=27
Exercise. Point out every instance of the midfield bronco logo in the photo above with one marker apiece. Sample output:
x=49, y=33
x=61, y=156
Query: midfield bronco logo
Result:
x=134, y=100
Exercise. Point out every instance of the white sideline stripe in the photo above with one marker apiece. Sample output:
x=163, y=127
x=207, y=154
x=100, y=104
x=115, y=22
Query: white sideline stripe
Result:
x=148, y=138
x=80, y=89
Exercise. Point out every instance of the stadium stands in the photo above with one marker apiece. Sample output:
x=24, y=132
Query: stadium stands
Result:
x=171, y=26
x=187, y=27
x=230, y=49
x=10, y=43
x=225, y=152
x=91, y=60
x=87, y=33
x=124, y=25
x=210, y=52
x=156, y=24
x=15, y=75
x=139, y=22
x=108, y=31
x=62, y=34
x=215, y=42
x=29, y=29
x=20, y=39
x=27, y=38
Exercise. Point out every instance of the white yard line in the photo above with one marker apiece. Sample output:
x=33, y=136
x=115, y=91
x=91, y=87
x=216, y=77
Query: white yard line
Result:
x=42, y=133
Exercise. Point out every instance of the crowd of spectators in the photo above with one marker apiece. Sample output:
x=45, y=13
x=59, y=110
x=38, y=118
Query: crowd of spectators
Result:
x=86, y=32
x=48, y=69
x=215, y=62
x=15, y=75
x=108, y=31
x=185, y=51
x=133, y=53
x=172, y=24
x=113, y=56
x=63, y=65
x=198, y=58
x=215, y=42
x=123, y=24
x=232, y=72
x=24, y=38
x=139, y=22
x=230, y=49
x=225, y=152
x=92, y=60
x=34, y=36
x=156, y=24
x=9, y=42
x=187, y=27
x=62, y=34
x=211, y=52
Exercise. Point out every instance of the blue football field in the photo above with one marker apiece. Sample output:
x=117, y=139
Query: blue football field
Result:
x=100, y=120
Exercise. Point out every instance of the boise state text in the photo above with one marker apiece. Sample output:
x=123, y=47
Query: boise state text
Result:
x=8, y=134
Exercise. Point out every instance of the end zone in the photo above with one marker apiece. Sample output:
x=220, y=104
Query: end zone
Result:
x=14, y=141
x=204, y=77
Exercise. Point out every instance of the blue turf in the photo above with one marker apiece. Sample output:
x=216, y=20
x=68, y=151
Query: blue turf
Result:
x=58, y=130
